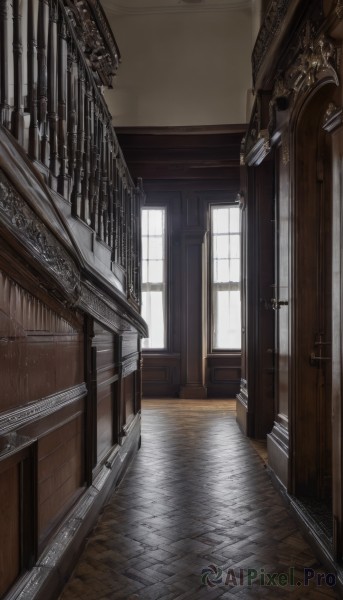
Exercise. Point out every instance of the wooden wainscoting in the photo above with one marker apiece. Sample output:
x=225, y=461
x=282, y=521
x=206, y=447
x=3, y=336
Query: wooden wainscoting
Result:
x=223, y=374
x=161, y=375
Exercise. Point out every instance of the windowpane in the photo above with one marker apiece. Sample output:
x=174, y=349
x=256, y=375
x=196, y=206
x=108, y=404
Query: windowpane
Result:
x=220, y=246
x=234, y=246
x=144, y=248
x=144, y=271
x=225, y=265
x=234, y=220
x=153, y=276
x=227, y=326
x=153, y=313
x=220, y=220
x=155, y=271
x=156, y=225
x=144, y=222
x=221, y=271
x=235, y=269
x=155, y=248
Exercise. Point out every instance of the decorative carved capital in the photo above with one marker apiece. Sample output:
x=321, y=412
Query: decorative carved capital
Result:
x=318, y=57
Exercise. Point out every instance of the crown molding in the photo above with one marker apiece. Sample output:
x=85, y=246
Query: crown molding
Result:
x=207, y=6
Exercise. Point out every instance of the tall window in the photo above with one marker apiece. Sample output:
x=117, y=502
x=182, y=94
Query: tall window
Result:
x=225, y=278
x=154, y=276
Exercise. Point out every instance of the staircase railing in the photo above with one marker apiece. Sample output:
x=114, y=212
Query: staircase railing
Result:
x=51, y=101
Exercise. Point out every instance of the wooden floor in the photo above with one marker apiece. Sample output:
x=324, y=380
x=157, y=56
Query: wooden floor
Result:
x=194, y=517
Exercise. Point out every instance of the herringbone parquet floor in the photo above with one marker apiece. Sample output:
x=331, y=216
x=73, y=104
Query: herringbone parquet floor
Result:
x=195, y=517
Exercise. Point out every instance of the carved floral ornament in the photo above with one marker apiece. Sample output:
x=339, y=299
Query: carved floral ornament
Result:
x=26, y=226
x=317, y=59
x=95, y=37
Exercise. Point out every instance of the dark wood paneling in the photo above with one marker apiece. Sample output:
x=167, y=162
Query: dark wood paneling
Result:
x=129, y=396
x=223, y=375
x=104, y=420
x=38, y=343
x=161, y=375
x=202, y=154
x=60, y=473
x=129, y=344
x=105, y=352
x=9, y=527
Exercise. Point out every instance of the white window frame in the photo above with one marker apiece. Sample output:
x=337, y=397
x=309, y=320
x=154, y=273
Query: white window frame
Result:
x=157, y=287
x=215, y=287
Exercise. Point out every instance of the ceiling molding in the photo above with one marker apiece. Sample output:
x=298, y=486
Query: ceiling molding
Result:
x=206, y=6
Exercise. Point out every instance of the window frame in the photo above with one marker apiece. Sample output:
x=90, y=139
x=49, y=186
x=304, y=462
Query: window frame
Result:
x=210, y=312
x=165, y=286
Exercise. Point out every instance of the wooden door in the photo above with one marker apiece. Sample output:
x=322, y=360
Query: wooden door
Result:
x=312, y=305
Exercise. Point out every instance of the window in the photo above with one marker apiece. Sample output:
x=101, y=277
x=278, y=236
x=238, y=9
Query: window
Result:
x=153, y=276
x=225, y=278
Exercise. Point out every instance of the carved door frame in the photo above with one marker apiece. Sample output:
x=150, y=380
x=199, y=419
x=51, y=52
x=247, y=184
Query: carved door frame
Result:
x=303, y=414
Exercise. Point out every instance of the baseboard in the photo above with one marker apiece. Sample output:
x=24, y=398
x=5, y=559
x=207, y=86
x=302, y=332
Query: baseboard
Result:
x=47, y=578
x=278, y=453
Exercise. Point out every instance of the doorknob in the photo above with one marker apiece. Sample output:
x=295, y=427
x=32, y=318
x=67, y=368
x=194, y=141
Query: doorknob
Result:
x=276, y=304
x=316, y=360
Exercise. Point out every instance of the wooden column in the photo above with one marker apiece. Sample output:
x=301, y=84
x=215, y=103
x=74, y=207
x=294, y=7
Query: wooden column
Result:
x=255, y=402
x=193, y=301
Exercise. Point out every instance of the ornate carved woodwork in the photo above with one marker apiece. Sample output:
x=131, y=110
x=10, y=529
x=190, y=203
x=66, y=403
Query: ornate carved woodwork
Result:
x=315, y=57
x=18, y=217
x=270, y=29
x=58, y=114
x=69, y=286
x=96, y=38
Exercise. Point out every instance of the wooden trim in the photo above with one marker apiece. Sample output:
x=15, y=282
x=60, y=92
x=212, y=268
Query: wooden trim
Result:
x=36, y=410
x=47, y=578
x=182, y=130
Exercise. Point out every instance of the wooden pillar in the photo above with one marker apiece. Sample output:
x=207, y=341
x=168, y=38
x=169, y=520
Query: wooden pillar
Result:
x=193, y=301
x=255, y=401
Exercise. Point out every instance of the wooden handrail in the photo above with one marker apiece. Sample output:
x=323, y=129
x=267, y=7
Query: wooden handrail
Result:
x=51, y=101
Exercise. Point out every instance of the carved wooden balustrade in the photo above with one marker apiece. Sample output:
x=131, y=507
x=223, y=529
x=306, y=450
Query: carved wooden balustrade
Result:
x=53, y=63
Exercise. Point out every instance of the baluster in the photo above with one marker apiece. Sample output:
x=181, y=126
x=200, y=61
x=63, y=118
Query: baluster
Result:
x=138, y=239
x=124, y=226
x=62, y=107
x=18, y=110
x=93, y=125
x=43, y=29
x=116, y=207
x=76, y=198
x=52, y=88
x=72, y=114
x=32, y=15
x=87, y=157
x=4, y=63
x=97, y=177
x=104, y=194
x=121, y=221
x=111, y=182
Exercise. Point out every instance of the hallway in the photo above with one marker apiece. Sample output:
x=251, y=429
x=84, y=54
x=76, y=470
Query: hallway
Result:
x=196, y=497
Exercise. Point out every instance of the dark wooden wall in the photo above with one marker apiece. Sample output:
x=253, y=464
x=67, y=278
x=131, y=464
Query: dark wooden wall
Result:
x=186, y=171
x=70, y=326
x=291, y=387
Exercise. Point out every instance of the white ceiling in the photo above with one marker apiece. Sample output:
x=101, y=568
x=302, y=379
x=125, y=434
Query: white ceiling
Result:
x=170, y=6
x=183, y=64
